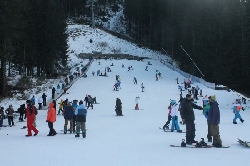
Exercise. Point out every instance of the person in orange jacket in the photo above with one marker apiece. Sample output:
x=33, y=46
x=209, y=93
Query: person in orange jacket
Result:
x=51, y=118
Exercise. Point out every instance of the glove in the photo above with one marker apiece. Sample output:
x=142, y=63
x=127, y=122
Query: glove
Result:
x=47, y=121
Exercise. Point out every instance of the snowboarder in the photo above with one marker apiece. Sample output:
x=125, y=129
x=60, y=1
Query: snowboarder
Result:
x=90, y=102
x=86, y=100
x=214, y=121
x=187, y=115
x=68, y=116
x=81, y=114
x=51, y=118
x=236, y=111
x=206, y=108
x=166, y=126
x=137, y=103
x=118, y=107
x=174, y=116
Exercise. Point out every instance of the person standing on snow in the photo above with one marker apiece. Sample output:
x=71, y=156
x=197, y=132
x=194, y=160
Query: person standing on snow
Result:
x=142, y=87
x=44, y=99
x=118, y=107
x=81, y=114
x=187, y=115
x=9, y=111
x=166, y=126
x=68, y=113
x=40, y=101
x=53, y=92
x=137, y=103
x=214, y=121
x=206, y=109
x=135, y=80
x=174, y=116
x=58, y=88
x=51, y=118
x=31, y=113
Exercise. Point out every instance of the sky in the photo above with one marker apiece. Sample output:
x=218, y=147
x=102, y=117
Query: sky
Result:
x=130, y=140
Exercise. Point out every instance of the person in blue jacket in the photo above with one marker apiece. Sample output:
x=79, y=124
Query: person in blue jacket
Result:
x=68, y=114
x=206, y=109
x=214, y=121
x=81, y=114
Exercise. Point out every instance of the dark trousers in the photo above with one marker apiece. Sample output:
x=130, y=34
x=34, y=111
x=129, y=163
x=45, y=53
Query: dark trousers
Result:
x=167, y=123
x=44, y=102
x=190, y=131
x=90, y=105
x=21, y=117
x=40, y=106
x=118, y=111
x=53, y=95
x=10, y=120
x=209, y=136
x=74, y=123
x=51, y=129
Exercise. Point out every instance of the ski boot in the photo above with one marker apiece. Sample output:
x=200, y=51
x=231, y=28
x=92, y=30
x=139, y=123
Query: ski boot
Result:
x=241, y=120
x=77, y=135
x=183, y=143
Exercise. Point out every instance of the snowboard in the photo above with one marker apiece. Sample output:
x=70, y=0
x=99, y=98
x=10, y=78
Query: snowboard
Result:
x=193, y=146
x=168, y=130
x=244, y=143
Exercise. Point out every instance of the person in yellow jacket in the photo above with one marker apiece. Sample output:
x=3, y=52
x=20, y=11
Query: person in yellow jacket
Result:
x=51, y=118
x=60, y=107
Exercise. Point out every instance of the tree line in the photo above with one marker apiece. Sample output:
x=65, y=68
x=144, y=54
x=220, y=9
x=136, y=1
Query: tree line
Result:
x=32, y=37
x=215, y=33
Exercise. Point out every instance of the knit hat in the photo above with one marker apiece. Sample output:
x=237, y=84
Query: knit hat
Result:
x=81, y=102
x=188, y=95
x=213, y=98
x=173, y=102
x=28, y=101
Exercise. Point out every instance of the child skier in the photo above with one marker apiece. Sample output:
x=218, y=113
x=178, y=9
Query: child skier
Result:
x=174, y=116
x=236, y=111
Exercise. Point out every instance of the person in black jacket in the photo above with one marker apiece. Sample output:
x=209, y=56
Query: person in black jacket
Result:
x=53, y=92
x=21, y=111
x=44, y=99
x=187, y=115
x=118, y=107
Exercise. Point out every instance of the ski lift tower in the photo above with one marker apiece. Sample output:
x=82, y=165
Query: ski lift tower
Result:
x=93, y=14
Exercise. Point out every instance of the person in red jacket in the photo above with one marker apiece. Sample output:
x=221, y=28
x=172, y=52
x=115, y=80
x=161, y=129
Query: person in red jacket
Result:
x=51, y=118
x=31, y=112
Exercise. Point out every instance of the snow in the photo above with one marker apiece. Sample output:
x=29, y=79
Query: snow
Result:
x=133, y=139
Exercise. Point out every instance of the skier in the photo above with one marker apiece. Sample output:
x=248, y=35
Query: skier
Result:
x=174, y=116
x=142, y=87
x=135, y=80
x=9, y=111
x=51, y=118
x=146, y=68
x=86, y=100
x=60, y=107
x=236, y=111
x=116, y=87
x=118, y=107
x=156, y=77
x=81, y=114
x=137, y=103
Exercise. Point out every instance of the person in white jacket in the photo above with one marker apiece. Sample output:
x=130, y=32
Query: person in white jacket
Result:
x=137, y=103
x=40, y=101
x=174, y=115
